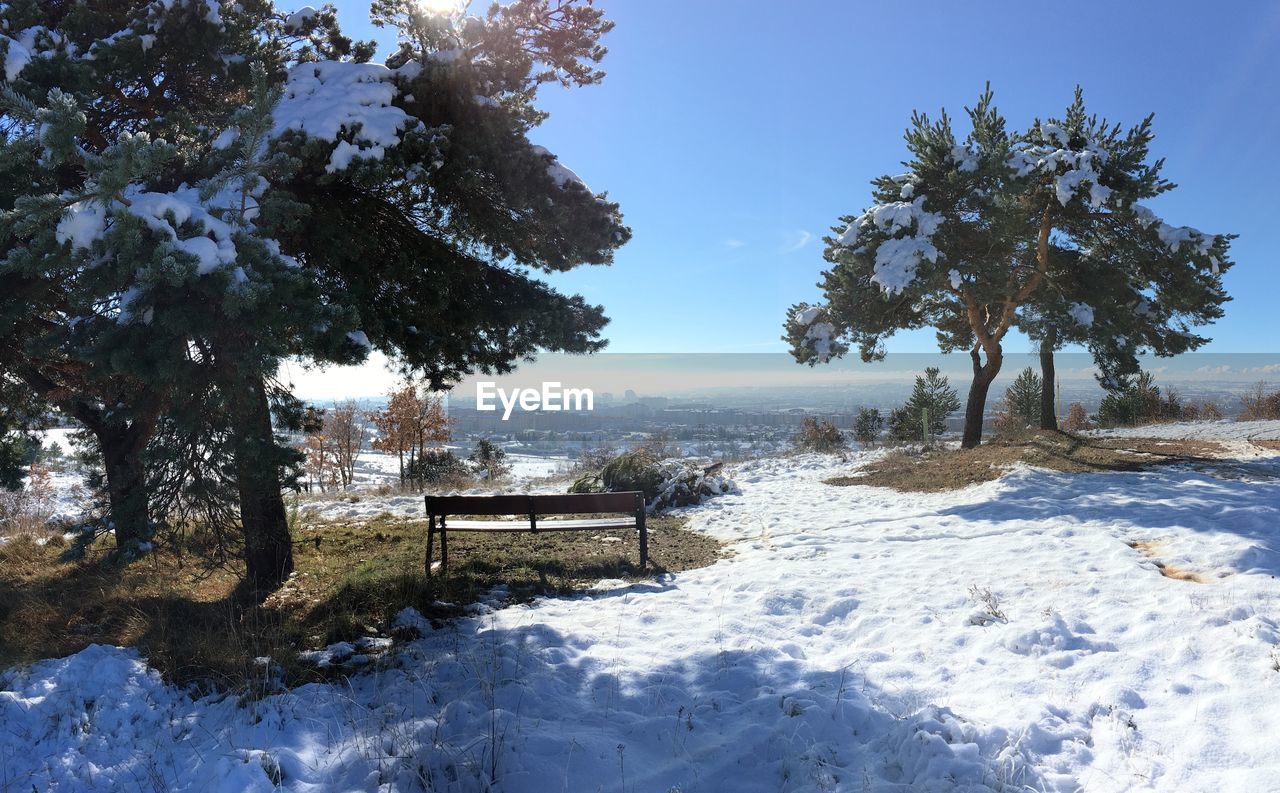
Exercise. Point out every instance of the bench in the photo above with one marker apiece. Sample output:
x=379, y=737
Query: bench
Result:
x=628, y=507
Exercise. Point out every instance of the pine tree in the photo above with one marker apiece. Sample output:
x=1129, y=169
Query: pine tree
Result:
x=21, y=414
x=397, y=207
x=1041, y=230
x=867, y=425
x=1022, y=400
x=489, y=461
x=932, y=395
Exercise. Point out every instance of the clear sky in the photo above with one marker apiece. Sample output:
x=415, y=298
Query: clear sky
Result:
x=735, y=132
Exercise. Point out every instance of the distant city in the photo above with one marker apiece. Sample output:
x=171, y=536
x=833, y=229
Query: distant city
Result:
x=735, y=422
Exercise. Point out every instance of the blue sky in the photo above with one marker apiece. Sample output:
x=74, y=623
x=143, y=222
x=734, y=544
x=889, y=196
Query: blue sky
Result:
x=734, y=133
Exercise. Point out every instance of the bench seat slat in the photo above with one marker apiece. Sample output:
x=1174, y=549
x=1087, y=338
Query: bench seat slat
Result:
x=543, y=525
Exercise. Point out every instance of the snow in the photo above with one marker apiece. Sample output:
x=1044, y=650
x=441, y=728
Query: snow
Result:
x=897, y=258
x=1082, y=313
x=966, y=159
x=821, y=336
x=558, y=172
x=894, y=217
x=298, y=19
x=226, y=138
x=1175, y=237
x=212, y=247
x=16, y=58
x=326, y=100
x=1078, y=166
x=165, y=212
x=833, y=649
x=84, y=222
x=24, y=46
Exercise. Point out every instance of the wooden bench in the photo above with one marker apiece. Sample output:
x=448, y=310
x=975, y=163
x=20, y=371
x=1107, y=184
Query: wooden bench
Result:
x=628, y=506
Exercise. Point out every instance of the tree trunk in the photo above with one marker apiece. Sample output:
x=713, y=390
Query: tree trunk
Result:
x=126, y=486
x=1048, y=381
x=268, y=547
x=976, y=408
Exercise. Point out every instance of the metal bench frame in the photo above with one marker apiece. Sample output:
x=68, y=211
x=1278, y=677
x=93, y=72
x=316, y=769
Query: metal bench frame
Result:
x=439, y=508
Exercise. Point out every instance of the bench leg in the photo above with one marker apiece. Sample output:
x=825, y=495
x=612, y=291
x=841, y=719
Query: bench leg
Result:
x=444, y=551
x=431, y=539
x=644, y=542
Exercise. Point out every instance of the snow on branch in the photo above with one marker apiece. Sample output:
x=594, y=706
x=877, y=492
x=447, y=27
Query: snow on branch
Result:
x=897, y=259
x=819, y=336
x=1071, y=168
x=326, y=99
x=559, y=173
x=1175, y=237
x=25, y=46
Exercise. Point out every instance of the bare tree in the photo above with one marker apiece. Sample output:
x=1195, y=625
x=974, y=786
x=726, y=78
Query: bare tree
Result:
x=346, y=429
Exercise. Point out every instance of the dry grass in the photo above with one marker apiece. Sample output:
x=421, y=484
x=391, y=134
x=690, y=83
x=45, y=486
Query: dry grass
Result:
x=951, y=469
x=351, y=579
x=1151, y=549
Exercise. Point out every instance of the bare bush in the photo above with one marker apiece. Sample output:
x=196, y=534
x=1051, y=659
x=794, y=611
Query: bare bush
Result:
x=1077, y=418
x=818, y=435
x=1259, y=405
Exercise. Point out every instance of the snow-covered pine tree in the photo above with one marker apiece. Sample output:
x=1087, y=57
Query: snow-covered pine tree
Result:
x=323, y=208
x=976, y=234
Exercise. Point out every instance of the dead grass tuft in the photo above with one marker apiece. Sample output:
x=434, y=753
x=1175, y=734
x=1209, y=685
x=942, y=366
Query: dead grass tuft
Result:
x=1151, y=549
x=1177, y=573
x=938, y=470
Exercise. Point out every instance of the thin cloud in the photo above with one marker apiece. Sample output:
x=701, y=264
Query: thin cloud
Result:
x=734, y=244
x=798, y=239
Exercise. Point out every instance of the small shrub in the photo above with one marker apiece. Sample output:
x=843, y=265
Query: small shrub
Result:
x=867, y=426
x=488, y=461
x=437, y=468
x=587, y=483
x=818, y=435
x=1137, y=401
x=636, y=470
x=1209, y=411
x=990, y=605
x=1077, y=418
x=903, y=427
x=590, y=461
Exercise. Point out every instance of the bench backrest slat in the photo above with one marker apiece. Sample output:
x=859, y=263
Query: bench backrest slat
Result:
x=567, y=504
x=586, y=502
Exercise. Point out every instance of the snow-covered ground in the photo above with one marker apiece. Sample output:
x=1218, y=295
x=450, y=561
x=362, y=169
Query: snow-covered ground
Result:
x=1003, y=637
x=1235, y=435
x=374, y=471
